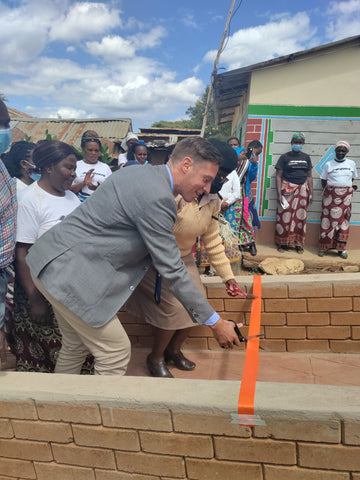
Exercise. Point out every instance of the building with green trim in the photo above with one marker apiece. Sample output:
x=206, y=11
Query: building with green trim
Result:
x=315, y=91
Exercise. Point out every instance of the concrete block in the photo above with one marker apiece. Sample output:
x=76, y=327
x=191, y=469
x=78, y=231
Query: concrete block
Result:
x=313, y=318
x=278, y=472
x=307, y=345
x=83, y=457
x=209, y=470
x=285, y=332
x=24, y=450
x=158, y=420
x=329, y=457
x=330, y=332
x=162, y=465
x=177, y=444
x=341, y=304
x=286, y=305
x=310, y=290
x=6, y=430
x=209, y=424
x=113, y=438
x=67, y=412
x=345, y=318
x=352, y=433
x=53, y=471
x=43, y=431
x=345, y=346
x=17, y=468
x=13, y=409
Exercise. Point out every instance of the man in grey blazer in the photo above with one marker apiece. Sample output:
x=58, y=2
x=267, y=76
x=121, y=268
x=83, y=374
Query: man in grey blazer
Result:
x=88, y=265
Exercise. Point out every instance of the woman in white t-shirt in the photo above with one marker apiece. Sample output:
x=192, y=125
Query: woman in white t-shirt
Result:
x=35, y=335
x=337, y=181
x=90, y=172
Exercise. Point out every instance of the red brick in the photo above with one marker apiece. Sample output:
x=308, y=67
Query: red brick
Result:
x=345, y=318
x=307, y=345
x=196, y=343
x=329, y=457
x=162, y=465
x=17, y=468
x=158, y=420
x=285, y=332
x=258, y=128
x=44, y=431
x=262, y=451
x=345, y=346
x=277, y=472
x=67, y=412
x=346, y=289
x=177, y=444
x=209, y=424
x=341, y=304
x=328, y=332
x=209, y=470
x=23, y=410
x=6, y=430
x=313, y=318
x=217, y=304
x=355, y=333
x=113, y=438
x=352, y=432
x=237, y=305
x=273, y=345
x=273, y=318
x=45, y=471
x=274, y=291
x=310, y=290
x=286, y=305
x=26, y=450
x=83, y=457
x=356, y=304
x=325, y=431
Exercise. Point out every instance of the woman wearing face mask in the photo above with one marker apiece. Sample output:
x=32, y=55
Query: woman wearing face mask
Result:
x=337, y=181
x=171, y=322
x=35, y=336
x=19, y=165
x=294, y=186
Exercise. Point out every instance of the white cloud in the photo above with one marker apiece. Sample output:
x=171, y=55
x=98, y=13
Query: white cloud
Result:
x=84, y=19
x=343, y=19
x=188, y=21
x=112, y=48
x=286, y=34
x=149, y=39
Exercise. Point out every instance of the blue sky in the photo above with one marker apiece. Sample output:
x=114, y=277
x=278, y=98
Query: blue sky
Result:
x=147, y=60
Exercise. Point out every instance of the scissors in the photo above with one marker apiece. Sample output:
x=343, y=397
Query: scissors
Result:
x=241, y=336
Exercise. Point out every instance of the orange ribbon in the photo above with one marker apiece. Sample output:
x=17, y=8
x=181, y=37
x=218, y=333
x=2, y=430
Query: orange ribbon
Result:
x=248, y=381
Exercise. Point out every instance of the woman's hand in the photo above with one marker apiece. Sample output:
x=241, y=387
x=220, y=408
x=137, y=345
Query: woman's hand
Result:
x=224, y=206
x=89, y=178
x=233, y=289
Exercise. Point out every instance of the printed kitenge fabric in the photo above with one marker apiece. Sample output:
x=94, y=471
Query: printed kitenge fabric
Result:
x=35, y=345
x=239, y=217
x=335, y=217
x=290, y=227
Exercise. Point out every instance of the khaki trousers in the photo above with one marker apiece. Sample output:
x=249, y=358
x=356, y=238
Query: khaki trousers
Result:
x=109, y=344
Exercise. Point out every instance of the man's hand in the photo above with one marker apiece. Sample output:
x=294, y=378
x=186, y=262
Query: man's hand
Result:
x=225, y=334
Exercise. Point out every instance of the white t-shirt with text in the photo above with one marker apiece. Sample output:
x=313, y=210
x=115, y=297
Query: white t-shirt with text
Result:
x=339, y=174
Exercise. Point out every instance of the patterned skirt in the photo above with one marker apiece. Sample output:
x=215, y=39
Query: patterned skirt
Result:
x=238, y=215
x=290, y=229
x=35, y=345
x=335, y=217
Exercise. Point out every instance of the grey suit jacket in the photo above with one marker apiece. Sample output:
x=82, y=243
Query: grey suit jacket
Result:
x=93, y=260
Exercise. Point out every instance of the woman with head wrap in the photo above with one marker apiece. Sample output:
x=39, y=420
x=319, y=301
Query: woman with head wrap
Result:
x=171, y=322
x=126, y=144
x=19, y=165
x=294, y=187
x=91, y=171
x=337, y=181
x=35, y=336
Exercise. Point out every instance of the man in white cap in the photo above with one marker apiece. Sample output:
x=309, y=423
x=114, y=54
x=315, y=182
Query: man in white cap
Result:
x=126, y=144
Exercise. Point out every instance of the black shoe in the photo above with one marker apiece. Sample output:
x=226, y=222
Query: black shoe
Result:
x=252, y=249
x=158, y=369
x=178, y=359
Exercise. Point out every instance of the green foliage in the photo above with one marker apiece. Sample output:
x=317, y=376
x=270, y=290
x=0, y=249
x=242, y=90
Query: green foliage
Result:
x=196, y=115
x=48, y=136
x=27, y=138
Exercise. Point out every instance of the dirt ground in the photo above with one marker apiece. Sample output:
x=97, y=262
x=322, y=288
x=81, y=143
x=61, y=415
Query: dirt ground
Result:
x=313, y=263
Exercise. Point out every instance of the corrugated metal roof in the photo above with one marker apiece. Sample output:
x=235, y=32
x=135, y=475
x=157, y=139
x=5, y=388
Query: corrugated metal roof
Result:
x=70, y=131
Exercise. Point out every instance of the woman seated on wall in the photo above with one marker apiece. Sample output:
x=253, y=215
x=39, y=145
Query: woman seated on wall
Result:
x=337, y=179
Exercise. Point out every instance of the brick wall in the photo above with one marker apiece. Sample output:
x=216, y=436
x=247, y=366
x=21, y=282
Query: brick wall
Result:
x=63, y=427
x=313, y=313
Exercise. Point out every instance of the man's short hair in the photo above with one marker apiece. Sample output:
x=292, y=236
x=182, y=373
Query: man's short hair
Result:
x=198, y=148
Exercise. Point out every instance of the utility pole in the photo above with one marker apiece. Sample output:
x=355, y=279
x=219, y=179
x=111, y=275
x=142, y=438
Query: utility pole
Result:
x=208, y=100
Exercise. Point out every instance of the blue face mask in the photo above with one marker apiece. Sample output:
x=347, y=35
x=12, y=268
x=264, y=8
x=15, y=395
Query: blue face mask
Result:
x=5, y=139
x=296, y=147
x=35, y=176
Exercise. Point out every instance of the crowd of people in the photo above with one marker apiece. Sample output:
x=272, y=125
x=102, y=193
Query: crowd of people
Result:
x=83, y=241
